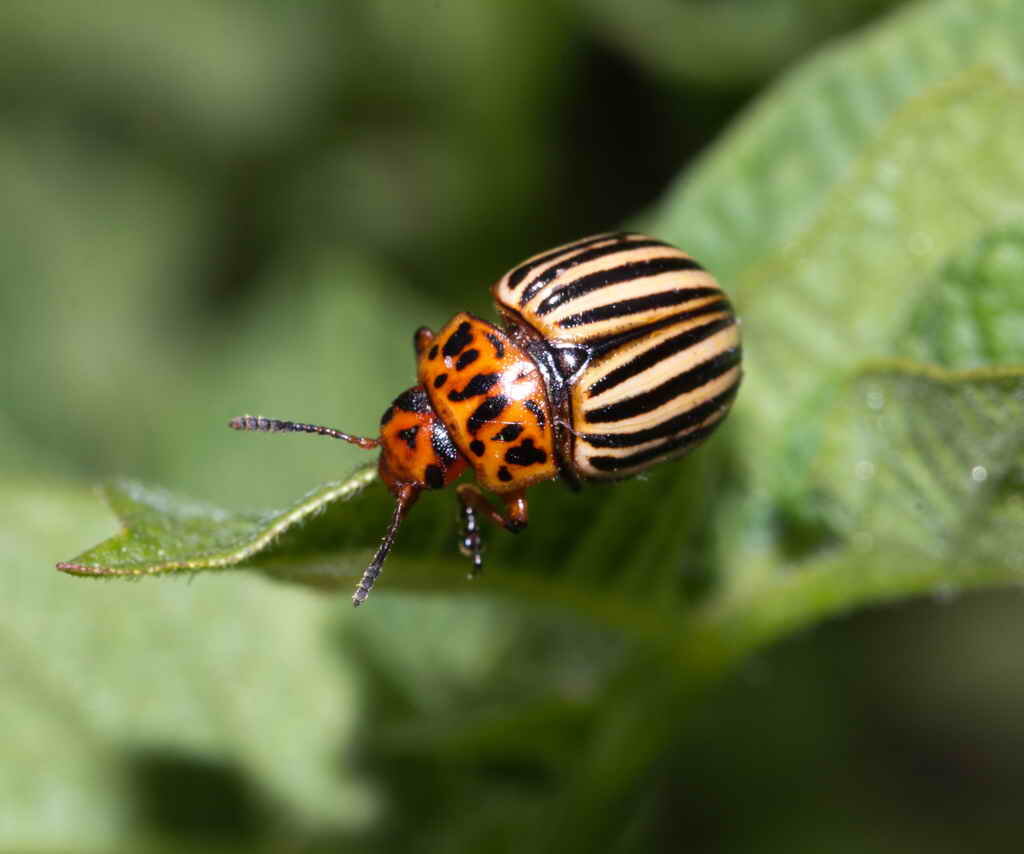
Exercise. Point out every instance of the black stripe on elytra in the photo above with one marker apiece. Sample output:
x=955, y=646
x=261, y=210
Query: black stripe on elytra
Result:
x=659, y=395
x=686, y=420
x=499, y=348
x=408, y=435
x=601, y=344
x=466, y=359
x=556, y=270
x=433, y=352
x=613, y=276
x=508, y=433
x=413, y=400
x=458, y=340
x=504, y=474
x=538, y=412
x=442, y=444
x=637, y=305
x=524, y=269
x=440, y=380
x=612, y=464
x=525, y=454
x=649, y=358
x=477, y=447
x=485, y=412
x=480, y=384
x=434, y=476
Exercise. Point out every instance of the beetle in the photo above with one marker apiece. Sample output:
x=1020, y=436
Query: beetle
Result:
x=618, y=352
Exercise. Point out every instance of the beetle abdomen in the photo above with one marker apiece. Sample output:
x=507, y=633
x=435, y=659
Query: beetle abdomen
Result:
x=662, y=346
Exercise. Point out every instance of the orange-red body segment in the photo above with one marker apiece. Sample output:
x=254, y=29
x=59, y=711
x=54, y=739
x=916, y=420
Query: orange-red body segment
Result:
x=491, y=396
x=416, y=447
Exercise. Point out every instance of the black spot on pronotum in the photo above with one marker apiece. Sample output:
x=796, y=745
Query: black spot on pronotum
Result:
x=440, y=380
x=485, y=412
x=504, y=474
x=509, y=433
x=466, y=359
x=434, y=476
x=538, y=412
x=480, y=384
x=499, y=347
x=477, y=447
x=442, y=444
x=433, y=352
x=413, y=400
x=525, y=454
x=408, y=435
x=458, y=340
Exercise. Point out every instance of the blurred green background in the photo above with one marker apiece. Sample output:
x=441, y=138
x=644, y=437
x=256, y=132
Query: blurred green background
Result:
x=215, y=207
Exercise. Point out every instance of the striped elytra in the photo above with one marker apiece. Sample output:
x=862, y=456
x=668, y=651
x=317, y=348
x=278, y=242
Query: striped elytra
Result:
x=618, y=352
x=655, y=342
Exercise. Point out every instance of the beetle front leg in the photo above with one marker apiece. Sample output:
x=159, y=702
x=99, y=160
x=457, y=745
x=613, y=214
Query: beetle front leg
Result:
x=473, y=503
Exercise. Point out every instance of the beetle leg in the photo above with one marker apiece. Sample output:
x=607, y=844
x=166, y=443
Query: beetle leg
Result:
x=470, y=542
x=473, y=502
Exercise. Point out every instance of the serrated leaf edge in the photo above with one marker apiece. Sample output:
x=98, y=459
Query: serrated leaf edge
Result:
x=311, y=503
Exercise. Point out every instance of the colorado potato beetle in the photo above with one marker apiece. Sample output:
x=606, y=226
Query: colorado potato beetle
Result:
x=618, y=352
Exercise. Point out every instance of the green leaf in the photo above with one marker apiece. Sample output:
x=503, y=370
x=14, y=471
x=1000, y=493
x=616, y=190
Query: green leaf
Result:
x=932, y=174
x=868, y=207
x=112, y=693
x=165, y=533
x=932, y=463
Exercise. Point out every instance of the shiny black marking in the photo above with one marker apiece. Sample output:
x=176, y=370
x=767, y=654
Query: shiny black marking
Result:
x=570, y=360
x=543, y=355
x=538, y=412
x=649, y=358
x=553, y=272
x=601, y=344
x=389, y=413
x=467, y=358
x=434, y=476
x=508, y=433
x=408, y=435
x=663, y=299
x=504, y=474
x=480, y=384
x=440, y=380
x=525, y=454
x=641, y=457
x=433, y=352
x=613, y=276
x=684, y=421
x=499, y=347
x=442, y=444
x=659, y=395
x=413, y=400
x=477, y=447
x=521, y=272
x=486, y=412
x=458, y=340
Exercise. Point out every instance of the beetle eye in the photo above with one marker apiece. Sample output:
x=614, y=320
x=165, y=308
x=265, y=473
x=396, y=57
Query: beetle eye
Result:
x=570, y=360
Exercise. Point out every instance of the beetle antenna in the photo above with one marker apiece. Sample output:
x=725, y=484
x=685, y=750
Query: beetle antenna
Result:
x=259, y=424
x=404, y=500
